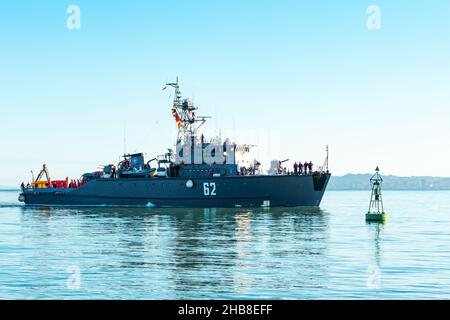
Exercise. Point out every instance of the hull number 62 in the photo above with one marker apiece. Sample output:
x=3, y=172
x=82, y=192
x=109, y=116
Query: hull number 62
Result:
x=209, y=188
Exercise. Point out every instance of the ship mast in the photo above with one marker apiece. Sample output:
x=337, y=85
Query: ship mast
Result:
x=183, y=111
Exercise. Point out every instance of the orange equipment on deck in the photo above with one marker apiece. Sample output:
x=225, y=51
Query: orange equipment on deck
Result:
x=40, y=184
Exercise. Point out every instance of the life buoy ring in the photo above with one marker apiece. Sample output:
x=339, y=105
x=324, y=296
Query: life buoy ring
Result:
x=189, y=184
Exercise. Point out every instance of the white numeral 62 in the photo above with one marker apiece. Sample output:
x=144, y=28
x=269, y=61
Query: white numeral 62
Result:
x=209, y=188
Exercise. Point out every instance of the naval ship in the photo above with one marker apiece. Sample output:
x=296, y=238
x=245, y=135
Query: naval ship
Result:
x=198, y=173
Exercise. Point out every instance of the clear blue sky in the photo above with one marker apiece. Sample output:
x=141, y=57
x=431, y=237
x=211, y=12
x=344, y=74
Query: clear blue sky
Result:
x=310, y=70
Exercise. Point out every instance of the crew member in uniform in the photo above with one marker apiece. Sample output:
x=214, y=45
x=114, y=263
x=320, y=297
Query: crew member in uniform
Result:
x=295, y=168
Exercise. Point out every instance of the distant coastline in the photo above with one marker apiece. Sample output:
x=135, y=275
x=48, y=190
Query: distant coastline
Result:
x=361, y=182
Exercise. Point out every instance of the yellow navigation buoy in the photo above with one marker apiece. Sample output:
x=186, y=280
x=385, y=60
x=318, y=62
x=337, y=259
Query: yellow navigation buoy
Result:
x=376, y=210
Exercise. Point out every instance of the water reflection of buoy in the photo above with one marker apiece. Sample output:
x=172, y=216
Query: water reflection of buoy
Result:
x=376, y=210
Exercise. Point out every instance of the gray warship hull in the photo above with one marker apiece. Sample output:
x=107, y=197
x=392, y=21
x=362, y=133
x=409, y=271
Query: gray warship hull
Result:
x=230, y=191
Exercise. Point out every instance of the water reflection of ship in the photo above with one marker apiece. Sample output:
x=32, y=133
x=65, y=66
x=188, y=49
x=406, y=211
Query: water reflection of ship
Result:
x=203, y=250
x=232, y=245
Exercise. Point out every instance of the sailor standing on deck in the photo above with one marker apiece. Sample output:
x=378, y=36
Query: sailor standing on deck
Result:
x=310, y=166
x=305, y=166
x=295, y=168
x=300, y=167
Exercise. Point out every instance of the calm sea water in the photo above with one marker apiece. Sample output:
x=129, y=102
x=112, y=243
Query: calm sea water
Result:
x=273, y=253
